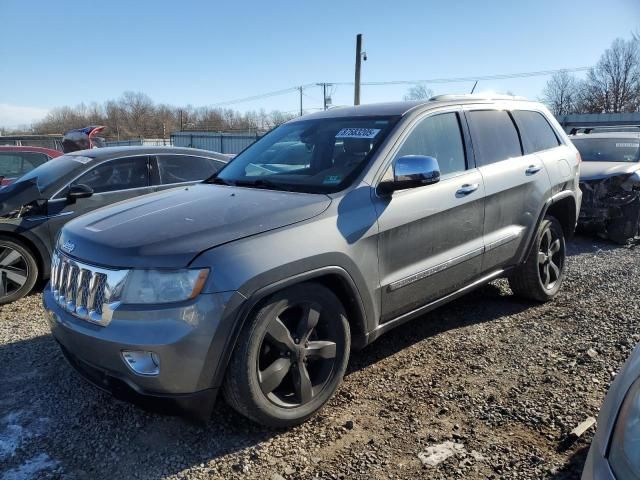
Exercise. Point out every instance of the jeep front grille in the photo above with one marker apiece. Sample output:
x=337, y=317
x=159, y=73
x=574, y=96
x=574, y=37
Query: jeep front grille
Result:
x=88, y=292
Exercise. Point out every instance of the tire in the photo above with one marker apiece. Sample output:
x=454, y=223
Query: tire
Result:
x=18, y=270
x=622, y=230
x=298, y=338
x=547, y=257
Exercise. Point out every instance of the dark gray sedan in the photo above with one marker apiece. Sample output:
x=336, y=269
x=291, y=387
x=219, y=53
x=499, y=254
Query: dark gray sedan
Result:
x=615, y=451
x=38, y=204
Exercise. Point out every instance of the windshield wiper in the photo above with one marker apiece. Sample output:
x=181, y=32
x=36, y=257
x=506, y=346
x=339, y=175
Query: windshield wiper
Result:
x=262, y=183
x=220, y=181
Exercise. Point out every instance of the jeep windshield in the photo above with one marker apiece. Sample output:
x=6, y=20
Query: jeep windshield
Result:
x=608, y=149
x=315, y=156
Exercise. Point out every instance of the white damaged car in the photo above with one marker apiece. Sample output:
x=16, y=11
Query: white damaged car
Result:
x=610, y=184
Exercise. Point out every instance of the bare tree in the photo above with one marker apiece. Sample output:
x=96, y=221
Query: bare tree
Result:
x=561, y=93
x=135, y=115
x=418, y=92
x=613, y=85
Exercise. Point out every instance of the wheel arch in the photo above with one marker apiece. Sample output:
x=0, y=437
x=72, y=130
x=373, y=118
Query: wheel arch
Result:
x=564, y=210
x=39, y=251
x=563, y=207
x=334, y=278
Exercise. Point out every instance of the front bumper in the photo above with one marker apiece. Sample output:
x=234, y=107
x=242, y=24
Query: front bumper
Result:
x=183, y=337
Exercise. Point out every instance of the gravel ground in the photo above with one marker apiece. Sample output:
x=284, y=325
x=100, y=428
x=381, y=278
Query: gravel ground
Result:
x=502, y=379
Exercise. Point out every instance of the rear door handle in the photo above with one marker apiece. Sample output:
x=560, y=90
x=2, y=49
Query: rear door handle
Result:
x=532, y=169
x=467, y=188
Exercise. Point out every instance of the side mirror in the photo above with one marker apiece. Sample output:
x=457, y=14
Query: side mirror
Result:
x=77, y=191
x=412, y=171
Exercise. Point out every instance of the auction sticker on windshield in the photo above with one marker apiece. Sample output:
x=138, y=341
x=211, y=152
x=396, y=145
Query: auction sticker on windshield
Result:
x=358, y=133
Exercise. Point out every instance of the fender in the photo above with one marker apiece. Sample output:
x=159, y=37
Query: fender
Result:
x=42, y=251
x=240, y=306
x=550, y=201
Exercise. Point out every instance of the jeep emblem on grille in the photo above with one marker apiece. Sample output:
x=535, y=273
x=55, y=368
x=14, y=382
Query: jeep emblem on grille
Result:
x=68, y=246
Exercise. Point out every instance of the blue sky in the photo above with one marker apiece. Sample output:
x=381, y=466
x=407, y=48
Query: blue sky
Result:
x=55, y=53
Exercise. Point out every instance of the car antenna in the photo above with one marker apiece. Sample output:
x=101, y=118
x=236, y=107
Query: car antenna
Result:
x=474, y=86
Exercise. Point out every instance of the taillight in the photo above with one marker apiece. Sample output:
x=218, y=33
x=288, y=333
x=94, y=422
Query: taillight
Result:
x=578, y=157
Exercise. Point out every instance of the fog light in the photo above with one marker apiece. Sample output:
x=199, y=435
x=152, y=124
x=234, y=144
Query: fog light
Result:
x=142, y=363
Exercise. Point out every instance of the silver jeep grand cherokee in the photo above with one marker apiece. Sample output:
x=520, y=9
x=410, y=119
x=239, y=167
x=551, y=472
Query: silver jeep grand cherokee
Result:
x=324, y=234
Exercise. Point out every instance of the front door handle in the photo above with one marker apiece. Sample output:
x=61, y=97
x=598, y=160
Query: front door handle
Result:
x=467, y=188
x=532, y=169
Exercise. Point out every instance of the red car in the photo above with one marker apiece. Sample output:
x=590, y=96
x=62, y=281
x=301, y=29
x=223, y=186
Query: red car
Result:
x=16, y=161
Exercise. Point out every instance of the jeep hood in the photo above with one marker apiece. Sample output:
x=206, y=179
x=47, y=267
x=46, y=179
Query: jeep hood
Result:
x=599, y=170
x=168, y=229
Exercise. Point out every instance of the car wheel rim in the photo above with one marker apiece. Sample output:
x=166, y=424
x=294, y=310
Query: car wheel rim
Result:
x=550, y=258
x=297, y=355
x=14, y=271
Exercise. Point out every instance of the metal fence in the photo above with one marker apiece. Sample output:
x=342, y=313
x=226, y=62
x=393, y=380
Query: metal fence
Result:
x=214, y=141
x=599, y=120
x=47, y=141
x=147, y=142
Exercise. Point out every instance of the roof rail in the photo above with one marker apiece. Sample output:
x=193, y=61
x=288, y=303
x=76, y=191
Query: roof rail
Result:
x=476, y=96
x=604, y=128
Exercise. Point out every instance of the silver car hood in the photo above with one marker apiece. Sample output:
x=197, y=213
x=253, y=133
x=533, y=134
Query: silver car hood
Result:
x=168, y=229
x=598, y=170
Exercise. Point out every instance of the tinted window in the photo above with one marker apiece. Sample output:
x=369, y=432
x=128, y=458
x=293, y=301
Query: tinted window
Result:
x=185, y=168
x=120, y=174
x=536, y=132
x=56, y=173
x=608, y=149
x=494, y=136
x=438, y=136
x=15, y=164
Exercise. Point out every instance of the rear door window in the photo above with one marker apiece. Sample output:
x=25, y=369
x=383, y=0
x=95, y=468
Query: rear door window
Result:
x=119, y=174
x=16, y=164
x=185, y=168
x=438, y=136
x=537, y=134
x=494, y=136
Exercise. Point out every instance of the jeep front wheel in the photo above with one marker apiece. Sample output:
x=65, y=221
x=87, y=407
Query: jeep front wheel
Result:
x=290, y=357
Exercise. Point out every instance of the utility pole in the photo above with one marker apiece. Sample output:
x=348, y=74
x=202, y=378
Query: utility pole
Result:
x=324, y=96
x=180, y=119
x=300, y=88
x=324, y=93
x=356, y=90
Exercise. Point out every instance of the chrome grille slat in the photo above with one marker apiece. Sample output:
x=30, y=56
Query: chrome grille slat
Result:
x=84, y=290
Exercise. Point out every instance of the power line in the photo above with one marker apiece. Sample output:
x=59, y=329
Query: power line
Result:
x=502, y=76
x=262, y=95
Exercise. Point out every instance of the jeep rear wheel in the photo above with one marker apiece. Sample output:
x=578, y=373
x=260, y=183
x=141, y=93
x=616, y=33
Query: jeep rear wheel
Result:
x=541, y=276
x=290, y=357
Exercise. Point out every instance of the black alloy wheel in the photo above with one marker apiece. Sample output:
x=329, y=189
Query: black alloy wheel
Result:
x=297, y=355
x=18, y=270
x=541, y=275
x=550, y=258
x=290, y=357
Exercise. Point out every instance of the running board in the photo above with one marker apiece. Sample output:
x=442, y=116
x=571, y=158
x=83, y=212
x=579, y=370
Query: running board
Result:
x=405, y=317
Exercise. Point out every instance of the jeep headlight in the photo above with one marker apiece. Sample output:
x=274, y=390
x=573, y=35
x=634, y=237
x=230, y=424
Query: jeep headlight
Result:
x=624, y=454
x=163, y=286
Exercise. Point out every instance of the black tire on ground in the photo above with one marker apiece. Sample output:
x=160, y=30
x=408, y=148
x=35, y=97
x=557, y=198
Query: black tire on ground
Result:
x=541, y=275
x=18, y=270
x=290, y=357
